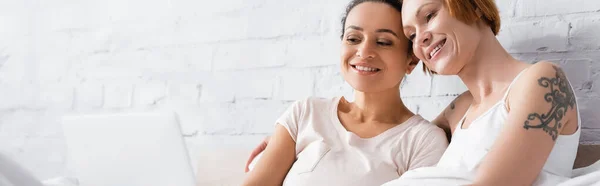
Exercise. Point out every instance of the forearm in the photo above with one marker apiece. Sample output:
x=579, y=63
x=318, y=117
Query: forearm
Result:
x=273, y=166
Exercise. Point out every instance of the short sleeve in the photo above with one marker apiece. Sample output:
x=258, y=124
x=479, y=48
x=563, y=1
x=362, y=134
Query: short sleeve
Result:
x=431, y=148
x=291, y=117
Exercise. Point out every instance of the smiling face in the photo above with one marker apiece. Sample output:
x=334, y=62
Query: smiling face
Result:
x=375, y=54
x=444, y=43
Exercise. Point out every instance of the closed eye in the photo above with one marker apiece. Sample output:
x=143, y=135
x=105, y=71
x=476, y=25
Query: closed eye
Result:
x=384, y=43
x=352, y=40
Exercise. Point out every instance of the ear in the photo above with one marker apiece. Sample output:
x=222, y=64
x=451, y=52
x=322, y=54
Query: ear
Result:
x=413, y=61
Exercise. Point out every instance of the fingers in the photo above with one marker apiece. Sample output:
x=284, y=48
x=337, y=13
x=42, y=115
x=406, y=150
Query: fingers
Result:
x=260, y=148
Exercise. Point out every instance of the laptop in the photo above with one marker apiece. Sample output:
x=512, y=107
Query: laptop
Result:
x=128, y=149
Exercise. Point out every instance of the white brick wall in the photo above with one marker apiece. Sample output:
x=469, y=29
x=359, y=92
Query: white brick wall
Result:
x=229, y=68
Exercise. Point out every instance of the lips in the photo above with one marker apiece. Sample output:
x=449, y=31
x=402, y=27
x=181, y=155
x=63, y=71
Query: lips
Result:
x=436, y=49
x=364, y=68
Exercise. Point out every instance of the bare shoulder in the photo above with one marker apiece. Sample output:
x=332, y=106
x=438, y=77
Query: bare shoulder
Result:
x=457, y=108
x=546, y=78
x=544, y=93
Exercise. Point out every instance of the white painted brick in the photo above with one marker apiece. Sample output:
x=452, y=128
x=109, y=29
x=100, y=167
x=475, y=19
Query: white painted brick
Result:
x=62, y=14
x=174, y=59
x=293, y=18
x=149, y=94
x=545, y=35
x=590, y=136
x=43, y=156
x=13, y=28
x=48, y=123
x=13, y=68
x=556, y=7
x=251, y=54
x=117, y=95
x=53, y=58
x=506, y=8
x=219, y=119
x=447, y=85
x=18, y=123
x=15, y=96
x=588, y=108
x=258, y=116
x=219, y=88
x=595, y=80
x=333, y=17
x=188, y=117
x=314, y=51
x=191, y=7
x=187, y=93
x=430, y=108
x=416, y=84
x=89, y=95
x=595, y=77
x=197, y=58
x=294, y=84
x=30, y=124
x=329, y=82
x=59, y=96
x=128, y=11
x=227, y=86
x=222, y=28
x=255, y=84
x=584, y=34
x=12, y=7
x=577, y=71
x=109, y=66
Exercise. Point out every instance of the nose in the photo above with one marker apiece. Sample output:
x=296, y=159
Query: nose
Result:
x=365, y=51
x=424, y=39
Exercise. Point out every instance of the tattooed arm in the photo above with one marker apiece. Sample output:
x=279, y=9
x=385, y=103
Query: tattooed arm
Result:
x=541, y=104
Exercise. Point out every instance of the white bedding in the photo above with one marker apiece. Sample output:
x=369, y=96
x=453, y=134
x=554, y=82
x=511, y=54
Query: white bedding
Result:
x=437, y=176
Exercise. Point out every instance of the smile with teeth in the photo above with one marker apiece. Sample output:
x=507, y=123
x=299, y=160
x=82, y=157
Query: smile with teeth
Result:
x=363, y=68
x=437, y=49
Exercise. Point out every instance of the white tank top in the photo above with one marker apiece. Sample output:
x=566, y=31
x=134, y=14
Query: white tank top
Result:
x=469, y=146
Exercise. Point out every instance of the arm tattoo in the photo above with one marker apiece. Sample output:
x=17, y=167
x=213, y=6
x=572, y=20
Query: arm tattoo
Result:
x=452, y=106
x=561, y=97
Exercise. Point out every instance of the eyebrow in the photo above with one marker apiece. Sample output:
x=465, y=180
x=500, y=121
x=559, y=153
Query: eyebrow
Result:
x=421, y=8
x=383, y=30
x=418, y=11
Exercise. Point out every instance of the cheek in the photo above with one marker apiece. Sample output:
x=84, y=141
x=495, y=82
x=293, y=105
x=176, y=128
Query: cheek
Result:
x=396, y=61
x=346, y=53
x=419, y=53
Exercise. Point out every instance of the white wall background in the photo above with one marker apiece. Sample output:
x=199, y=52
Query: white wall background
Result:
x=229, y=67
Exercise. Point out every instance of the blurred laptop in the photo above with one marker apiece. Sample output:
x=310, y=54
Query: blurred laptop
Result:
x=131, y=149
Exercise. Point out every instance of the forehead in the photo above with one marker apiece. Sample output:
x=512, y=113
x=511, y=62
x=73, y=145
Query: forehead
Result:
x=373, y=14
x=410, y=7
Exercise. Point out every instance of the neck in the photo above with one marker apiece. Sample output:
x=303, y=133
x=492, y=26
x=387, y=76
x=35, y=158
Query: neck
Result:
x=384, y=107
x=490, y=69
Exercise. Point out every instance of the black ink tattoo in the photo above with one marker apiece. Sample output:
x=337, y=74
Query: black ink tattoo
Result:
x=560, y=96
x=452, y=106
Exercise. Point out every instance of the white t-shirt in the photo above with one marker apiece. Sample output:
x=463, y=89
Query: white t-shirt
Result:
x=328, y=154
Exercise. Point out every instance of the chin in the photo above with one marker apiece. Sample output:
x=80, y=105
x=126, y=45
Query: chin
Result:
x=446, y=67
